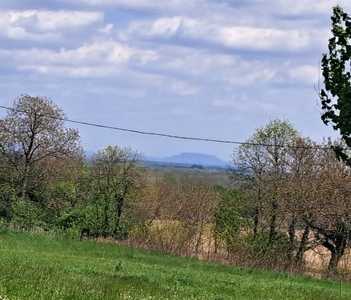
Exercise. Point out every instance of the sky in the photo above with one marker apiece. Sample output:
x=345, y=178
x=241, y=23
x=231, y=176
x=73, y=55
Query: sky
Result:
x=197, y=68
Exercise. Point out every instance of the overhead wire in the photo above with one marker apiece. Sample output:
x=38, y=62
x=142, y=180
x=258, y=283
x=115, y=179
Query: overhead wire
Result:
x=168, y=135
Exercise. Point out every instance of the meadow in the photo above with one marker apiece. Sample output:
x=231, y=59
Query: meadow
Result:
x=37, y=266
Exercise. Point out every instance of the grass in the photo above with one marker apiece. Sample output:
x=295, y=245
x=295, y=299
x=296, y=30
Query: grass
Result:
x=38, y=267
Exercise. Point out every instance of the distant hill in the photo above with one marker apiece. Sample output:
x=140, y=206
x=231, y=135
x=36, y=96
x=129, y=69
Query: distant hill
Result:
x=191, y=158
x=197, y=159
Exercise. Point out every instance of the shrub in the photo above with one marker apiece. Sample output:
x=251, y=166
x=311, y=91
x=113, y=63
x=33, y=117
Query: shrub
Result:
x=31, y=214
x=258, y=245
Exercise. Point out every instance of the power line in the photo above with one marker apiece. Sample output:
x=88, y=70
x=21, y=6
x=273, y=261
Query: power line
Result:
x=167, y=135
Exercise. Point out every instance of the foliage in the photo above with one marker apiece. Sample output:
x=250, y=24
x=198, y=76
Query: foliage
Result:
x=7, y=197
x=64, y=193
x=116, y=179
x=265, y=154
x=337, y=81
x=170, y=177
x=28, y=214
x=263, y=150
x=230, y=218
x=33, y=134
x=259, y=245
x=76, y=217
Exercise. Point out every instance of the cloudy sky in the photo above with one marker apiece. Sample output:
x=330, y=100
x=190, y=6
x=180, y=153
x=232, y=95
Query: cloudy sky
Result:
x=199, y=68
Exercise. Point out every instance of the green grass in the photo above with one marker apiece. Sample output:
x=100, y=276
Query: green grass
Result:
x=37, y=267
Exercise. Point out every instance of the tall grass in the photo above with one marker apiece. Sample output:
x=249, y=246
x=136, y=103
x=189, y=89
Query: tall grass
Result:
x=37, y=267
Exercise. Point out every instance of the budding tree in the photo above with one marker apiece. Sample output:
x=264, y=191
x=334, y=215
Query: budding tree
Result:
x=32, y=132
x=264, y=154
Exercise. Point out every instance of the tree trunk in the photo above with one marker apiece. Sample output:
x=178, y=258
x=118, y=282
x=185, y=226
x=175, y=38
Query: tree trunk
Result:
x=272, y=229
x=25, y=181
x=292, y=236
x=119, y=206
x=198, y=232
x=215, y=236
x=334, y=260
x=106, y=220
x=255, y=229
x=302, y=246
x=337, y=251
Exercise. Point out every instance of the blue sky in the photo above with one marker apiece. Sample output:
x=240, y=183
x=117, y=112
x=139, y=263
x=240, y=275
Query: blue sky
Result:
x=199, y=68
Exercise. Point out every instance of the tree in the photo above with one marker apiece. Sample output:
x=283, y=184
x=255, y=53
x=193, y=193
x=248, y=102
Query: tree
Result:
x=117, y=175
x=196, y=207
x=316, y=193
x=7, y=190
x=327, y=201
x=337, y=81
x=303, y=169
x=33, y=133
x=265, y=156
x=230, y=218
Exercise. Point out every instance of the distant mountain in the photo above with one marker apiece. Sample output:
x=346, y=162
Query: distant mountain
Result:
x=191, y=158
x=183, y=158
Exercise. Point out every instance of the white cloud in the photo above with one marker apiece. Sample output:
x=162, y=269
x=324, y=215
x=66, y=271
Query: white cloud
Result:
x=36, y=25
x=261, y=39
x=183, y=89
x=165, y=25
x=306, y=73
x=243, y=37
x=94, y=60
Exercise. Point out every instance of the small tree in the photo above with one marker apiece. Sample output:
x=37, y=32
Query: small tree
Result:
x=231, y=216
x=303, y=170
x=117, y=175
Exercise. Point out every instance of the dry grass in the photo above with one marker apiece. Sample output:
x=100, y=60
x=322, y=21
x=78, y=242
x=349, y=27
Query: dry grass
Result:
x=164, y=236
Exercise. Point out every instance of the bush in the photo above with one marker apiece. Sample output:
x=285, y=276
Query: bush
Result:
x=30, y=214
x=169, y=237
x=139, y=234
x=68, y=233
x=7, y=196
x=259, y=245
x=3, y=224
x=230, y=218
x=71, y=219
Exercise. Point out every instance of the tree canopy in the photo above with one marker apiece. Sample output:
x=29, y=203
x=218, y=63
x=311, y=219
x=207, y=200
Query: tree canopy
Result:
x=33, y=132
x=336, y=73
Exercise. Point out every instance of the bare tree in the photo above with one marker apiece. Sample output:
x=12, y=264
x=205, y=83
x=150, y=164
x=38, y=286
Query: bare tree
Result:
x=197, y=204
x=316, y=194
x=327, y=201
x=302, y=157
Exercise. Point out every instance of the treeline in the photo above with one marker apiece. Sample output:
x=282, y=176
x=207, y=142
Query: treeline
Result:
x=45, y=181
x=297, y=197
x=292, y=196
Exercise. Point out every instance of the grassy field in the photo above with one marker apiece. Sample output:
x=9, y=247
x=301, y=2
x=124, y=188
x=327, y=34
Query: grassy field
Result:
x=38, y=267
